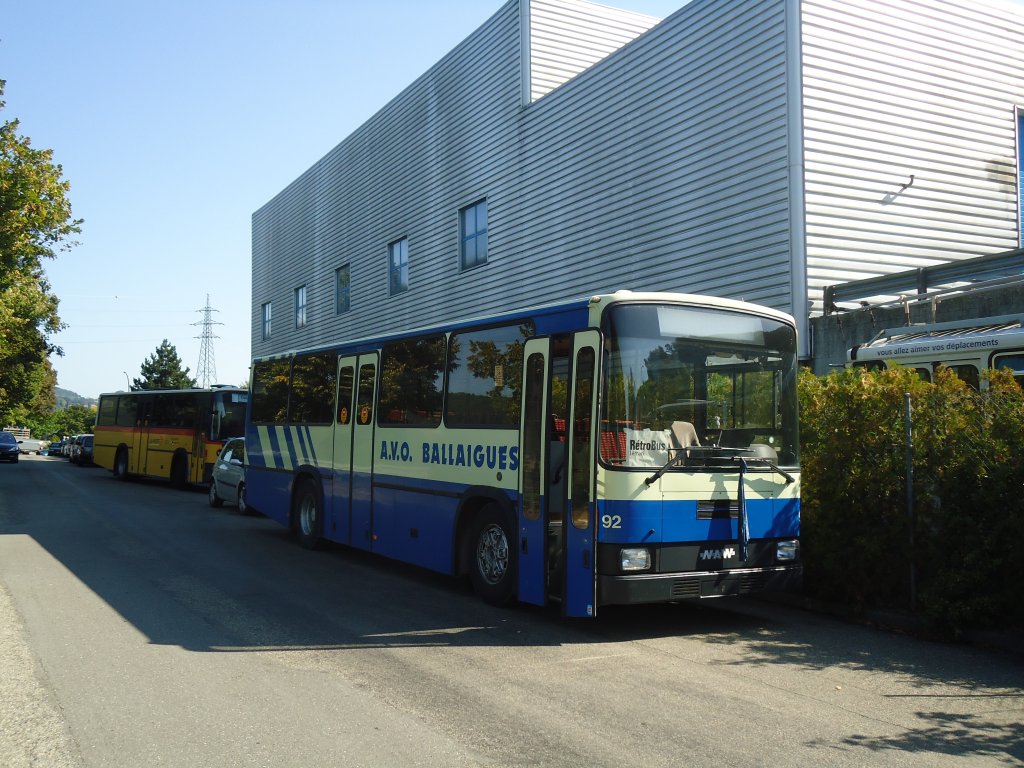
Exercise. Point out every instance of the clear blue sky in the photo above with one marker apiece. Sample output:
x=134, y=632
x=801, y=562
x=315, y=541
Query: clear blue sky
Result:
x=174, y=122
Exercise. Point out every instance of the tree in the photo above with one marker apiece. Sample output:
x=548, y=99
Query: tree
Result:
x=162, y=370
x=35, y=221
x=74, y=420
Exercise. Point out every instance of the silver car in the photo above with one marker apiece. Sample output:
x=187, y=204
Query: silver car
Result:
x=228, y=482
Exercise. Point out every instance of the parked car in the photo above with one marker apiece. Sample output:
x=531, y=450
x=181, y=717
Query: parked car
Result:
x=76, y=447
x=83, y=451
x=228, y=481
x=9, y=448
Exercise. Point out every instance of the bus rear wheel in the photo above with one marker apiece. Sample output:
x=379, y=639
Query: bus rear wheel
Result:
x=492, y=568
x=307, y=515
x=121, y=464
x=179, y=471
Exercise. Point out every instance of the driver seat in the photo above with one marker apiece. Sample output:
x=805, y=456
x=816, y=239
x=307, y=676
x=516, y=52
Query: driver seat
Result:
x=684, y=435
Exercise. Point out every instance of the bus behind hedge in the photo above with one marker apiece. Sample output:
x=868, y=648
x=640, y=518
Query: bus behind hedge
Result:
x=967, y=347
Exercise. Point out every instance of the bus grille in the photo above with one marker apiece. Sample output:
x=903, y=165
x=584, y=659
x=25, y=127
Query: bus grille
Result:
x=717, y=509
x=718, y=585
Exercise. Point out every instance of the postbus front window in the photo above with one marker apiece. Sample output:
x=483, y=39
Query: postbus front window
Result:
x=678, y=377
x=228, y=415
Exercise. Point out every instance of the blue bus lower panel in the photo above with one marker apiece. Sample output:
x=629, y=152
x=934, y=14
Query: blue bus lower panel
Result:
x=677, y=521
x=414, y=526
x=269, y=492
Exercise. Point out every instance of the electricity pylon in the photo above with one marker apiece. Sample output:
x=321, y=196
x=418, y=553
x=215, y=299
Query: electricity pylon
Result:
x=207, y=369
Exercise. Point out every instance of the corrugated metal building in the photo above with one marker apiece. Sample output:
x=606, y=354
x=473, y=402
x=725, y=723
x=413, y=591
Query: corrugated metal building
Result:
x=752, y=149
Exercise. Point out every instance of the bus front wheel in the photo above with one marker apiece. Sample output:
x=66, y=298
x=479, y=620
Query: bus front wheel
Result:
x=493, y=557
x=307, y=515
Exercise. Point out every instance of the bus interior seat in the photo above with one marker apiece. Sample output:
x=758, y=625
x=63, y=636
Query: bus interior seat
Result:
x=684, y=435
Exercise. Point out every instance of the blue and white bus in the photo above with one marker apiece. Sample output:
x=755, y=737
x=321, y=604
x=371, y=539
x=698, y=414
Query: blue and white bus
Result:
x=626, y=448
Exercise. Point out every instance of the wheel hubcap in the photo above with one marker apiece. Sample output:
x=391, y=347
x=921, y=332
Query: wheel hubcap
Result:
x=492, y=554
x=307, y=516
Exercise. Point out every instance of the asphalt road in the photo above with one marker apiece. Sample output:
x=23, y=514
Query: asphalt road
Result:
x=139, y=627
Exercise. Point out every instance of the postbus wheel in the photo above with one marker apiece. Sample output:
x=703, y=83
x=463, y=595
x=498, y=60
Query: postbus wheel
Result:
x=307, y=514
x=121, y=464
x=492, y=567
x=179, y=471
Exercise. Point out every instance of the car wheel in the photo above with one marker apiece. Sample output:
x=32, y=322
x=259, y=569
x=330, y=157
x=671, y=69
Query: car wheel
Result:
x=243, y=508
x=215, y=500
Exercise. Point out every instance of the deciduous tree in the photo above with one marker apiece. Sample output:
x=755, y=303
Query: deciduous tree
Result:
x=35, y=222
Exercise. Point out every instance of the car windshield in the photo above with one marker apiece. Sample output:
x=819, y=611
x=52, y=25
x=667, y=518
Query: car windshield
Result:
x=712, y=383
x=7, y=437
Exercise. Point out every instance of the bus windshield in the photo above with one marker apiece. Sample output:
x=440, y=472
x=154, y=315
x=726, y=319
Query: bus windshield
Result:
x=228, y=418
x=697, y=387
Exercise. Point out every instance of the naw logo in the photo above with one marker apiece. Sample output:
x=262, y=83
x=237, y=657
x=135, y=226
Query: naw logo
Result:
x=717, y=554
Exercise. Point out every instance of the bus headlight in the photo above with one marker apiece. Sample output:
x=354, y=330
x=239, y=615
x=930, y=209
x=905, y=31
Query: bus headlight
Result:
x=787, y=551
x=635, y=559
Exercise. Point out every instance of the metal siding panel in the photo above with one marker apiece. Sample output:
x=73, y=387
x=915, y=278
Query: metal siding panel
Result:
x=890, y=90
x=568, y=36
x=678, y=180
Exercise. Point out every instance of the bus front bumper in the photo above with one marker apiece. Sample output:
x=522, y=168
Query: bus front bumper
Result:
x=669, y=587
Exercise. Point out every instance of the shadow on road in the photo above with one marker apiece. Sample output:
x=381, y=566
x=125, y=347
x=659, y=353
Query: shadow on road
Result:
x=214, y=581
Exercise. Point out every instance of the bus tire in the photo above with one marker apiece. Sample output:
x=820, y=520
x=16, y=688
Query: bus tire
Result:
x=492, y=561
x=179, y=471
x=121, y=464
x=307, y=515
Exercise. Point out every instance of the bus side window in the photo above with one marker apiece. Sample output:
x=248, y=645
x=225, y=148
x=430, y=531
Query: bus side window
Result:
x=924, y=374
x=1013, y=362
x=968, y=374
x=870, y=365
x=346, y=379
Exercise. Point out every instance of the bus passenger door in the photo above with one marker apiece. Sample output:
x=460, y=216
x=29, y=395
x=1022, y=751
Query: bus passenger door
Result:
x=339, y=518
x=579, y=540
x=362, y=453
x=533, y=498
x=140, y=436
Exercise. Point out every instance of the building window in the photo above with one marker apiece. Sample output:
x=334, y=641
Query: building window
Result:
x=342, y=280
x=266, y=321
x=473, y=234
x=398, y=266
x=300, y=306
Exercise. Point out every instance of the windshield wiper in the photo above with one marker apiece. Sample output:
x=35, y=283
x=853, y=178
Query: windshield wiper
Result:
x=673, y=460
x=737, y=454
x=770, y=464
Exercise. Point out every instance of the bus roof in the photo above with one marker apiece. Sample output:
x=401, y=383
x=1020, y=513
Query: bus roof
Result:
x=986, y=333
x=574, y=305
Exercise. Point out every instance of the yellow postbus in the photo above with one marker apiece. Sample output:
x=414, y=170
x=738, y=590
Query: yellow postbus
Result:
x=167, y=434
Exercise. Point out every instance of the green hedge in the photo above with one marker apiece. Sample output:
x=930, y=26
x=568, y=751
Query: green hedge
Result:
x=963, y=537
